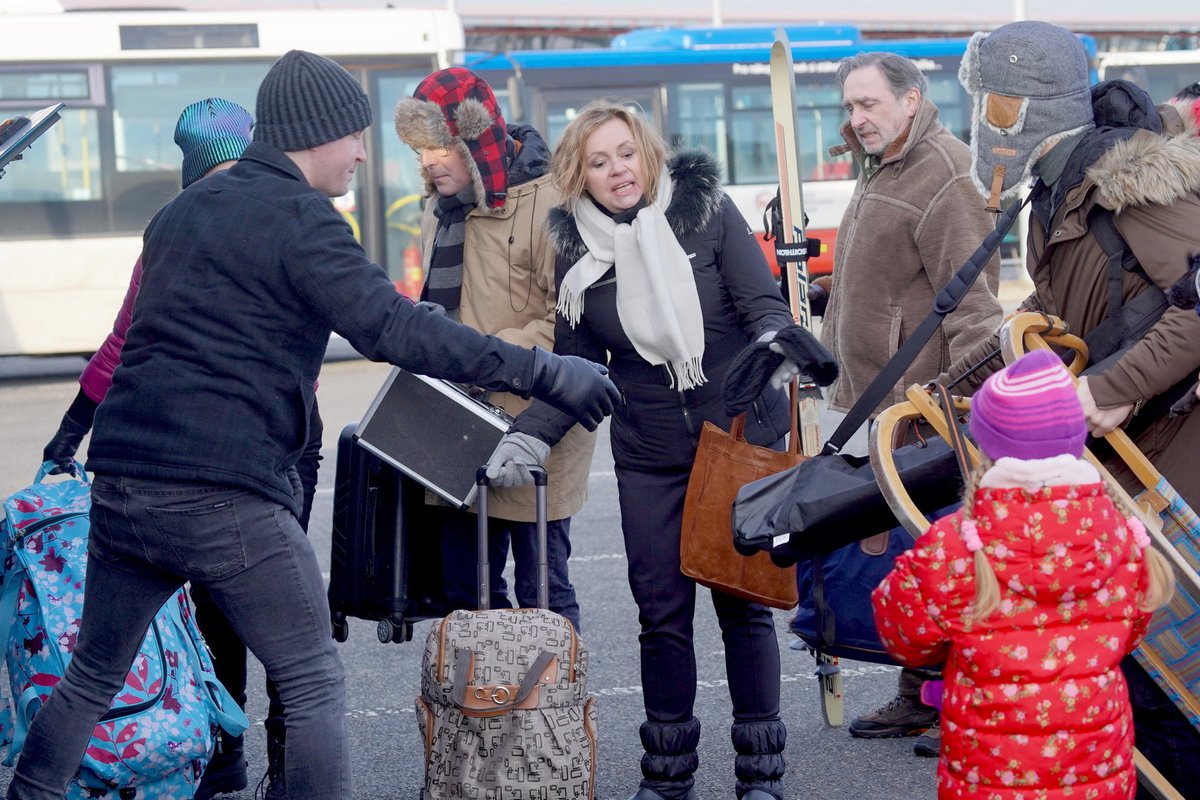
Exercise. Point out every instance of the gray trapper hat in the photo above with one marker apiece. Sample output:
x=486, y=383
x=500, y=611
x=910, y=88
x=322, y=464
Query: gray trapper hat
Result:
x=1030, y=87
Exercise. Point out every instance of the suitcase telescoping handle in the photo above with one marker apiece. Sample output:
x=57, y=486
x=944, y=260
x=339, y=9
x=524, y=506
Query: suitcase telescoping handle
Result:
x=484, y=568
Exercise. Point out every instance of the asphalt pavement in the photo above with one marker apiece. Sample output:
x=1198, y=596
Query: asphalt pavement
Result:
x=383, y=679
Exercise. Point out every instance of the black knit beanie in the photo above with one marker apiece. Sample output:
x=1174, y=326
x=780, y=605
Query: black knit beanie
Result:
x=307, y=100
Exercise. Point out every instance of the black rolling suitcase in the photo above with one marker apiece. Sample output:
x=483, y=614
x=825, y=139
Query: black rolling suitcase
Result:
x=378, y=532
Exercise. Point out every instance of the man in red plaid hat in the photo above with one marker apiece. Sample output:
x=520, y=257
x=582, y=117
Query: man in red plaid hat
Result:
x=489, y=263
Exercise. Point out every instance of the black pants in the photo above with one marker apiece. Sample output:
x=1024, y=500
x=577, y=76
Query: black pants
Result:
x=651, y=511
x=1162, y=733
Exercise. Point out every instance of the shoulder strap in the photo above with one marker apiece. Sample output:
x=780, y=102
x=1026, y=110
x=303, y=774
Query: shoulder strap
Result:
x=946, y=301
x=1121, y=257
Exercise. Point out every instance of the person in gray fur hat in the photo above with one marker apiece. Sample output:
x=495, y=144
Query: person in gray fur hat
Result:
x=489, y=262
x=194, y=449
x=1097, y=152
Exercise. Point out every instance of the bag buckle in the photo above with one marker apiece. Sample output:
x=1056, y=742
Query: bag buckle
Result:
x=498, y=695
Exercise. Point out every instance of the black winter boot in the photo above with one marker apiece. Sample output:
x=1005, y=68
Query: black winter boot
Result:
x=273, y=786
x=670, y=761
x=759, y=763
x=226, y=770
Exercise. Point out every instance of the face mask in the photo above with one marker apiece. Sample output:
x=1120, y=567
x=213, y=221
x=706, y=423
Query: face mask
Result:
x=1029, y=87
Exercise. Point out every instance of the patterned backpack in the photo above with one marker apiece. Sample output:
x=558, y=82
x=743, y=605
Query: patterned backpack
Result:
x=156, y=739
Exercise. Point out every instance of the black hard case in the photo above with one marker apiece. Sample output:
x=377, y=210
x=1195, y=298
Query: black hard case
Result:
x=436, y=432
x=386, y=561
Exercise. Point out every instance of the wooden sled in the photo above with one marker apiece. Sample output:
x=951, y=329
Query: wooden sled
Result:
x=1164, y=653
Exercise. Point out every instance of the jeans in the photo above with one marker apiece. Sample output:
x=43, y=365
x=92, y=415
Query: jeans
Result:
x=458, y=535
x=147, y=538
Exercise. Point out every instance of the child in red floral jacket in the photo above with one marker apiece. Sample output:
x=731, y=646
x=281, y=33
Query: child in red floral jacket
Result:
x=1031, y=594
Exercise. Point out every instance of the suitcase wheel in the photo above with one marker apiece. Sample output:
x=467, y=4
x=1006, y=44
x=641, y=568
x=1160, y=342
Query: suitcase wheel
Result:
x=341, y=628
x=388, y=631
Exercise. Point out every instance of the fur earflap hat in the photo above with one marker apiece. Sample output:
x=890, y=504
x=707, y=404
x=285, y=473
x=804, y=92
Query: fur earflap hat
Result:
x=1030, y=87
x=455, y=108
x=1029, y=410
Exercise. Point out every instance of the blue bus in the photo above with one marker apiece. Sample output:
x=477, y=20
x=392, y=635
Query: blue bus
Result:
x=710, y=87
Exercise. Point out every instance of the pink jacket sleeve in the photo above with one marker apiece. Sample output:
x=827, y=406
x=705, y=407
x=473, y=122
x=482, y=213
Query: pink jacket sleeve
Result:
x=97, y=375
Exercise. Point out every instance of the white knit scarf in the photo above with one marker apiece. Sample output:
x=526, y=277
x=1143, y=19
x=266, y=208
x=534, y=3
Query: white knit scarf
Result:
x=657, y=301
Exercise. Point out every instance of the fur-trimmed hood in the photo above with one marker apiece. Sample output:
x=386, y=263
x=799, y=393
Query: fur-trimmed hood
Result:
x=1148, y=169
x=695, y=201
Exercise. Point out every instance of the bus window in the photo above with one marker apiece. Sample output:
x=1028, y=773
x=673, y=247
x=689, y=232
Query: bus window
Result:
x=698, y=120
x=752, y=128
x=561, y=107
x=61, y=167
x=146, y=101
x=64, y=166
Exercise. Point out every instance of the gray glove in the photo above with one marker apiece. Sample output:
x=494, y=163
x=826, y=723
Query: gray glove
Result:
x=516, y=453
x=785, y=372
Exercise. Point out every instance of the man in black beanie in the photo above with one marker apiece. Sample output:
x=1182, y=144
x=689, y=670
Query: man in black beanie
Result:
x=194, y=448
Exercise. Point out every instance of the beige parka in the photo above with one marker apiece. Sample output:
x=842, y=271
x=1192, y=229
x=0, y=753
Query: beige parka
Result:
x=508, y=291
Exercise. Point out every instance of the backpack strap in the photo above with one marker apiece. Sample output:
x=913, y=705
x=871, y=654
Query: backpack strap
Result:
x=8, y=612
x=221, y=705
x=1121, y=257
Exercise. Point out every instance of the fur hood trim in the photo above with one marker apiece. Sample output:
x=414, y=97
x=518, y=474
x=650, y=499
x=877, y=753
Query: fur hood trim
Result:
x=696, y=201
x=1147, y=169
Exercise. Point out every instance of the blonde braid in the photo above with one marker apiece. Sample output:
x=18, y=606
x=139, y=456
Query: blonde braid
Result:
x=987, y=587
x=1160, y=576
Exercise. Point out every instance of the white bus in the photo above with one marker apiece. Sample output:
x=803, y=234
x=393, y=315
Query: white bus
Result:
x=72, y=210
x=1162, y=73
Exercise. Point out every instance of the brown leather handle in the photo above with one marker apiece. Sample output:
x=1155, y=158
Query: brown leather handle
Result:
x=737, y=426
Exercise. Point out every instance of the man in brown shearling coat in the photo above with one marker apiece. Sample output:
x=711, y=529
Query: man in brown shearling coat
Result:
x=914, y=219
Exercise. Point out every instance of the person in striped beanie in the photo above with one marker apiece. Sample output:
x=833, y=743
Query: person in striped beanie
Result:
x=211, y=133
x=1029, y=411
x=1063, y=586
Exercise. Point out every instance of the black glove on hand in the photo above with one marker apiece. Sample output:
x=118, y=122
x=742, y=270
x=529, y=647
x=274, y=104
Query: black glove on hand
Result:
x=74, y=426
x=818, y=295
x=436, y=309
x=574, y=385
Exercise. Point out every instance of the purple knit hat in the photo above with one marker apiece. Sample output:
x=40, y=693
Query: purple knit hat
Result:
x=1029, y=410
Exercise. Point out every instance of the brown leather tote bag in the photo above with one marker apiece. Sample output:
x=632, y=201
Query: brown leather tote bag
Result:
x=724, y=463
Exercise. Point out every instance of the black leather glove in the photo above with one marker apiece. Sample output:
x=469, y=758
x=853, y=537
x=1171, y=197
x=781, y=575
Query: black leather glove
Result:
x=436, y=309
x=574, y=385
x=75, y=425
x=818, y=295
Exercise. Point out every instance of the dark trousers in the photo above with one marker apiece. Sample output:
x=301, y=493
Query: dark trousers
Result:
x=1162, y=733
x=459, y=561
x=651, y=512
x=228, y=651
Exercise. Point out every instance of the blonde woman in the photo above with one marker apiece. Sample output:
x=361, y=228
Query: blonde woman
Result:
x=660, y=278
